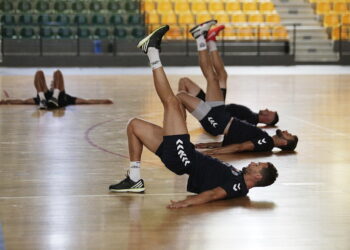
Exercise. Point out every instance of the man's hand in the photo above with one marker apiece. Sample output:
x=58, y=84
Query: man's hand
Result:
x=178, y=204
x=209, y=145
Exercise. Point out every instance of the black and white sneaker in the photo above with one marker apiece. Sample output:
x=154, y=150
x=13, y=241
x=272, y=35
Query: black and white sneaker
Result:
x=154, y=39
x=52, y=103
x=42, y=104
x=128, y=185
x=202, y=29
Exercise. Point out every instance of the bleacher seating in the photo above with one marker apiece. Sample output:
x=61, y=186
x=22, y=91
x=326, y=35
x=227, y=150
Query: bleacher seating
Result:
x=335, y=16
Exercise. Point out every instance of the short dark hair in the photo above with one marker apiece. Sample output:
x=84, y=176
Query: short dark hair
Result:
x=269, y=175
x=291, y=144
x=275, y=120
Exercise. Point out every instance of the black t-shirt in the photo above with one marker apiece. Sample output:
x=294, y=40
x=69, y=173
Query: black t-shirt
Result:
x=241, y=131
x=242, y=112
x=209, y=173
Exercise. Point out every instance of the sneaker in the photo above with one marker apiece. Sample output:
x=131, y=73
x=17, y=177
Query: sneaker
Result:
x=202, y=29
x=128, y=185
x=52, y=103
x=212, y=33
x=154, y=39
x=42, y=104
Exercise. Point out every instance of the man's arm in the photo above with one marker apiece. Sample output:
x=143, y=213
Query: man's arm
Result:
x=207, y=196
x=230, y=149
x=92, y=101
x=29, y=101
x=209, y=145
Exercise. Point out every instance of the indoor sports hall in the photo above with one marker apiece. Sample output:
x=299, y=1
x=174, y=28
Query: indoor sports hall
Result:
x=57, y=163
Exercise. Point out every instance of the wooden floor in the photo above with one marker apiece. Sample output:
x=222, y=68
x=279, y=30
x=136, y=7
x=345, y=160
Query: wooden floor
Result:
x=56, y=167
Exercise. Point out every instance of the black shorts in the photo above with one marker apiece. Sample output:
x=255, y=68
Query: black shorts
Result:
x=63, y=98
x=177, y=153
x=216, y=120
x=48, y=95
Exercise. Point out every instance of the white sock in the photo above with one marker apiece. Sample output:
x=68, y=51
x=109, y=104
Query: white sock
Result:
x=134, y=171
x=56, y=92
x=212, y=46
x=41, y=96
x=201, y=44
x=153, y=56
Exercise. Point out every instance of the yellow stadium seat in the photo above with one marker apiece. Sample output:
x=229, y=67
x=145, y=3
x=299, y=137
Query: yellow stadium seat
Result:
x=340, y=7
x=338, y=33
x=229, y=33
x=148, y=6
x=245, y=33
x=264, y=32
x=221, y=17
x=255, y=18
x=152, y=18
x=323, y=8
x=215, y=6
x=266, y=7
x=330, y=20
x=272, y=18
x=232, y=6
x=185, y=18
x=176, y=33
x=249, y=6
x=168, y=18
x=345, y=19
x=181, y=6
x=164, y=6
x=279, y=33
x=199, y=6
x=202, y=17
x=238, y=18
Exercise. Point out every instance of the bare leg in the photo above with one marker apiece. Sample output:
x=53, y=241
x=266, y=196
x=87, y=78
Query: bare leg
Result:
x=40, y=82
x=58, y=81
x=189, y=86
x=213, y=89
x=219, y=67
x=190, y=102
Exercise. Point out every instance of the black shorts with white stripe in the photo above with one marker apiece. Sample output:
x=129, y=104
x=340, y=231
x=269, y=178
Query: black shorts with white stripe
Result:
x=216, y=120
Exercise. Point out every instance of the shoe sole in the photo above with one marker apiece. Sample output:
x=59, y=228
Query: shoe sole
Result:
x=134, y=190
x=213, y=20
x=143, y=41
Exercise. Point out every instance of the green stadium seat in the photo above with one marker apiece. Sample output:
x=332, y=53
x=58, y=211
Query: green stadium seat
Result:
x=114, y=6
x=65, y=32
x=44, y=19
x=6, y=7
x=62, y=19
x=132, y=6
x=80, y=19
x=78, y=6
x=60, y=6
x=8, y=20
x=101, y=32
x=138, y=32
x=135, y=19
x=26, y=19
x=27, y=32
x=42, y=6
x=24, y=6
x=96, y=6
x=98, y=19
x=116, y=19
x=8, y=32
x=46, y=32
x=120, y=32
x=84, y=32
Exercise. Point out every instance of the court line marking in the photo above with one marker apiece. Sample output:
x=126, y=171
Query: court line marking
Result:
x=111, y=195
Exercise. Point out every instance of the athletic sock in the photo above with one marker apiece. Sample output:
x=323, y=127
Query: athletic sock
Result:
x=56, y=92
x=153, y=56
x=41, y=96
x=212, y=46
x=134, y=171
x=201, y=44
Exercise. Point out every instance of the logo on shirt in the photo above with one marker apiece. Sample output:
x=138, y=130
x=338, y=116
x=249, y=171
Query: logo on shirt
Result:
x=212, y=121
x=237, y=187
x=262, y=141
x=181, y=152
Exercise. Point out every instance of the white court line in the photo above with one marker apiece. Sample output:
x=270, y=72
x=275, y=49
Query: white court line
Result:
x=115, y=194
x=333, y=132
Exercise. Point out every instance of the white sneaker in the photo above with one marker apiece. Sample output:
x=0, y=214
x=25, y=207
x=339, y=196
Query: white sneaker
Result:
x=202, y=29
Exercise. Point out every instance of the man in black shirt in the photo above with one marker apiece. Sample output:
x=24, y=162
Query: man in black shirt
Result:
x=209, y=177
x=53, y=98
x=216, y=120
